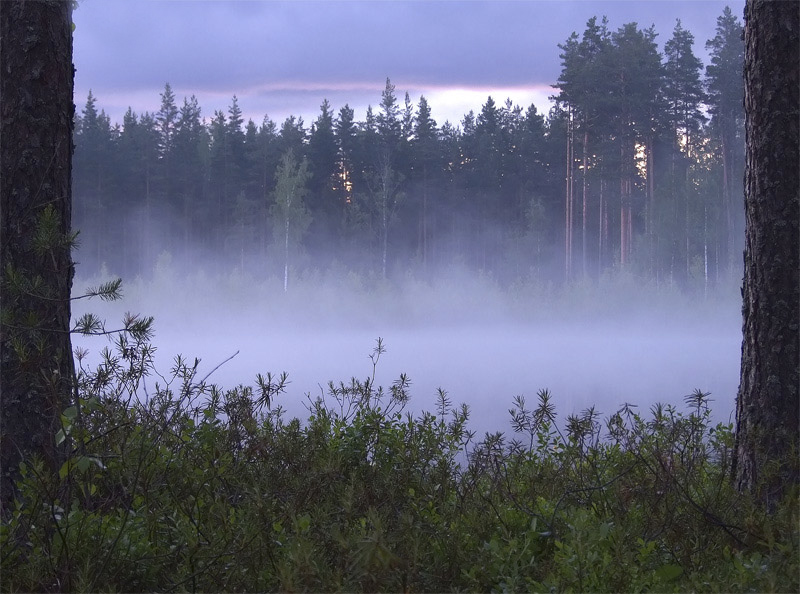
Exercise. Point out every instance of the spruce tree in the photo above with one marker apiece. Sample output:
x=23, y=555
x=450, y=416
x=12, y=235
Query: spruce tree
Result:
x=323, y=203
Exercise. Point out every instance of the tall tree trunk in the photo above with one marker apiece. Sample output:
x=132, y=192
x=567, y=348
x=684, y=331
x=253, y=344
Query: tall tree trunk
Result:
x=768, y=407
x=603, y=228
x=384, y=239
x=568, y=200
x=585, y=206
x=705, y=252
x=147, y=248
x=727, y=198
x=650, y=219
x=626, y=163
x=286, y=258
x=36, y=118
x=686, y=224
x=425, y=218
x=625, y=225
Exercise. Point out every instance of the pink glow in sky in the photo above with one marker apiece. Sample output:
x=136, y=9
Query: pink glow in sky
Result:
x=284, y=58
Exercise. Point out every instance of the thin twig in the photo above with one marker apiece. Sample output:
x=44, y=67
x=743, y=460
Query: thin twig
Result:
x=202, y=381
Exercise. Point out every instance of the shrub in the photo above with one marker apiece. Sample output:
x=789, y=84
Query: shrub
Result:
x=174, y=484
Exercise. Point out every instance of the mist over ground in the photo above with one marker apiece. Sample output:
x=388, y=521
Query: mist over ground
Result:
x=606, y=342
x=451, y=241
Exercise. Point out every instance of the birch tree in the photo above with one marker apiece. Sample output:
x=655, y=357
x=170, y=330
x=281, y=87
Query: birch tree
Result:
x=290, y=215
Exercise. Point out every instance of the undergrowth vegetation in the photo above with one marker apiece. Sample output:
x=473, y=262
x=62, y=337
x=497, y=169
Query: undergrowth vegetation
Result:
x=172, y=484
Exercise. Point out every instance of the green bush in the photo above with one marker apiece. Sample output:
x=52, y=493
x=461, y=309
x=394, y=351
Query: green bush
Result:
x=176, y=485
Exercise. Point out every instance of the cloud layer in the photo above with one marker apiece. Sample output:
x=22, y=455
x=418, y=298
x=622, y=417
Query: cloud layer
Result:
x=284, y=58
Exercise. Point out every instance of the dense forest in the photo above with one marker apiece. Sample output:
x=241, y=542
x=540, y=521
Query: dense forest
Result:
x=637, y=166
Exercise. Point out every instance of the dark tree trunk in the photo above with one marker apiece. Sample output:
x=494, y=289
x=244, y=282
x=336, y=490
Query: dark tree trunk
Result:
x=768, y=409
x=570, y=178
x=36, y=118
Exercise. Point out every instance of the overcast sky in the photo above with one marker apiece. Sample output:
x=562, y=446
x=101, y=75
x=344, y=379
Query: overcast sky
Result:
x=283, y=58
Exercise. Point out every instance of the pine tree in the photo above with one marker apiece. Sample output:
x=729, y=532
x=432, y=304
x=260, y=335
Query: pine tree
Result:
x=724, y=85
x=235, y=146
x=130, y=190
x=683, y=93
x=148, y=135
x=592, y=95
x=346, y=136
x=683, y=89
x=538, y=186
x=565, y=106
x=219, y=165
x=292, y=136
x=488, y=182
x=166, y=120
x=37, y=371
x=638, y=105
x=268, y=156
x=190, y=149
x=389, y=126
x=251, y=178
x=322, y=200
x=92, y=163
x=768, y=404
x=426, y=155
x=166, y=117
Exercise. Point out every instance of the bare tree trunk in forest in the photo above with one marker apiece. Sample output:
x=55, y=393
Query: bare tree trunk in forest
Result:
x=625, y=220
x=568, y=204
x=584, y=210
x=265, y=173
x=286, y=258
x=147, y=248
x=705, y=252
x=624, y=201
x=622, y=227
x=630, y=225
x=36, y=119
x=603, y=228
x=384, y=206
x=425, y=217
x=187, y=225
x=768, y=408
x=650, y=208
x=686, y=230
x=727, y=198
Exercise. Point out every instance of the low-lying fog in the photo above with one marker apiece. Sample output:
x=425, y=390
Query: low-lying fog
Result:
x=603, y=344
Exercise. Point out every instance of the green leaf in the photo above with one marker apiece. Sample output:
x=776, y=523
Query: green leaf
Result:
x=83, y=463
x=71, y=413
x=65, y=469
x=94, y=404
x=668, y=573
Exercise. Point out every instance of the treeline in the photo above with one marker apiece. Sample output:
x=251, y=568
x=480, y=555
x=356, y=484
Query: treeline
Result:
x=638, y=165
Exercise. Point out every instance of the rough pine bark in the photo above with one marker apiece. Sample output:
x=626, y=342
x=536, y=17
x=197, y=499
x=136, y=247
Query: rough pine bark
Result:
x=36, y=118
x=768, y=409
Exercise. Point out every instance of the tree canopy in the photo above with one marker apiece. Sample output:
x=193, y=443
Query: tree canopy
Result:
x=653, y=146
